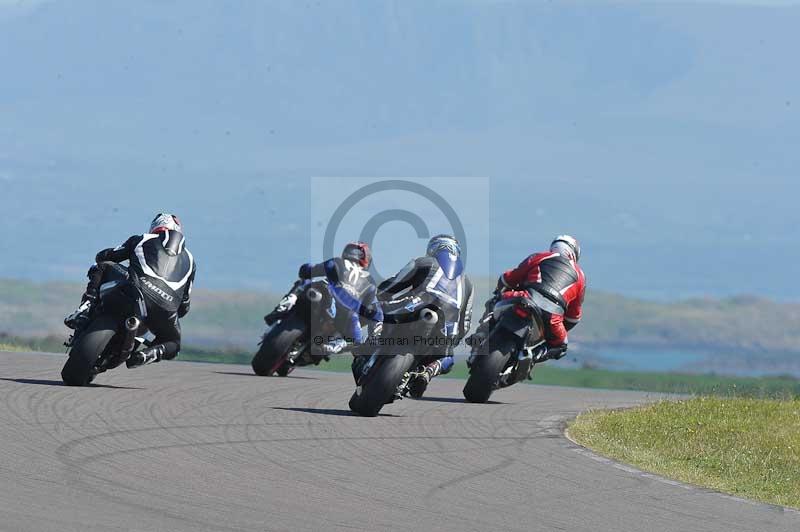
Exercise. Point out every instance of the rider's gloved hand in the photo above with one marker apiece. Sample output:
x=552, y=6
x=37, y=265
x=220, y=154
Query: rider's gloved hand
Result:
x=501, y=285
x=305, y=271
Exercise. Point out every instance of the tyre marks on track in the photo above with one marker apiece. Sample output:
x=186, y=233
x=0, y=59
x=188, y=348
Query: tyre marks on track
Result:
x=199, y=447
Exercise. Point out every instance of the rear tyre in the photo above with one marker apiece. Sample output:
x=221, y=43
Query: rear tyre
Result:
x=486, y=369
x=285, y=369
x=276, y=346
x=78, y=370
x=380, y=384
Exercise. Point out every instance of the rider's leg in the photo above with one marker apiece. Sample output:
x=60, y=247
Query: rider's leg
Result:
x=440, y=367
x=419, y=382
x=167, y=343
x=556, y=337
x=348, y=328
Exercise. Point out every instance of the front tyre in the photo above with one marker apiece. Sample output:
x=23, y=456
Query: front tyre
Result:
x=380, y=384
x=276, y=346
x=486, y=368
x=79, y=368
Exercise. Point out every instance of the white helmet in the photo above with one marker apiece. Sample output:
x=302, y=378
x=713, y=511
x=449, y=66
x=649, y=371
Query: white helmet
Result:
x=165, y=222
x=568, y=246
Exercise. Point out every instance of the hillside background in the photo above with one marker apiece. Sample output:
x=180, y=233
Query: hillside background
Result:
x=743, y=335
x=662, y=133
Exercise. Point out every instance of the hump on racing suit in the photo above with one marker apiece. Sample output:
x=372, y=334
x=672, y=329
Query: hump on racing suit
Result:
x=562, y=283
x=439, y=279
x=160, y=265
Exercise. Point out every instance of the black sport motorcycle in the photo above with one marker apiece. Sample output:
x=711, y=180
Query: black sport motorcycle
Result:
x=287, y=342
x=111, y=332
x=514, y=343
x=410, y=339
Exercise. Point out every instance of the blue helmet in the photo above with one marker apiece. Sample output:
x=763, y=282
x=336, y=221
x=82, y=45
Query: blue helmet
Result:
x=447, y=252
x=443, y=242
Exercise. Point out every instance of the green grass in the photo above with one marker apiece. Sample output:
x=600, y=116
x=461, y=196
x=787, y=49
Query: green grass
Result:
x=746, y=447
x=48, y=344
x=764, y=387
x=12, y=347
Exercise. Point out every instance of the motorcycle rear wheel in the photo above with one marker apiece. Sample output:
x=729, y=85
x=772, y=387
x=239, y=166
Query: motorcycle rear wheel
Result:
x=486, y=368
x=78, y=370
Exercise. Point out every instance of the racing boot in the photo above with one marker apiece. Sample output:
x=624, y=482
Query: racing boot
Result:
x=282, y=308
x=505, y=380
x=80, y=316
x=145, y=356
x=419, y=381
x=334, y=347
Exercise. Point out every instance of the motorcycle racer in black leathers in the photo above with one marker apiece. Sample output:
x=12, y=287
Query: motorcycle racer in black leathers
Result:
x=437, y=277
x=162, y=267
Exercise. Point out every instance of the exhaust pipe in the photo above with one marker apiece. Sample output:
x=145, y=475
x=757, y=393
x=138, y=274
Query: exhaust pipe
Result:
x=314, y=295
x=132, y=325
x=429, y=316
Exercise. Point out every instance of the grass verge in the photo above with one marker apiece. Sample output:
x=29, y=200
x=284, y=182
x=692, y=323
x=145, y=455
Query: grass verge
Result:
x=762, y=387
x=746, y=447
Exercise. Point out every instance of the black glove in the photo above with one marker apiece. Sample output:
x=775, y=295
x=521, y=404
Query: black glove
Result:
x=304, y=272
x=501, y=285
x=369, y=311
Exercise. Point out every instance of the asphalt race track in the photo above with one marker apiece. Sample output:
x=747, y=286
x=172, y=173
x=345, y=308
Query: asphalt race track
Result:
x=203, y=447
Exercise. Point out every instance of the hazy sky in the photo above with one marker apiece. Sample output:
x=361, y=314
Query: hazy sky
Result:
x=663, y=134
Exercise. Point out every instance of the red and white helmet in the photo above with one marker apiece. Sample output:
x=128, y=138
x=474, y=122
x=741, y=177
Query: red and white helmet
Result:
x=165, y=222
x=568, y=246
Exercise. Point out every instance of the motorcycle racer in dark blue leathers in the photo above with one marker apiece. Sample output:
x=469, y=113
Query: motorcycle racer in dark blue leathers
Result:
x=353, y=295
x=436, y=278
